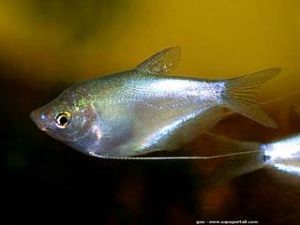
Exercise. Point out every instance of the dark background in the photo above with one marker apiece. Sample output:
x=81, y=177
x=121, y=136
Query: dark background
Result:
x=45, y=47
x=45, y=182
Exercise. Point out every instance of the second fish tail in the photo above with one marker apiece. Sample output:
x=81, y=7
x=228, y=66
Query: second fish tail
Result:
x=246, y=157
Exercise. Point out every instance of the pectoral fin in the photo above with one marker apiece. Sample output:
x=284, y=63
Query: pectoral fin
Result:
x=162, y=62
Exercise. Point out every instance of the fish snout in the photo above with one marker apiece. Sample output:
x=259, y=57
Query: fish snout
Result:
x=39, y=119
x=33, y=115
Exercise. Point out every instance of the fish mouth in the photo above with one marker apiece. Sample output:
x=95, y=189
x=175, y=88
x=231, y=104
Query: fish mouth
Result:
x=37, y=118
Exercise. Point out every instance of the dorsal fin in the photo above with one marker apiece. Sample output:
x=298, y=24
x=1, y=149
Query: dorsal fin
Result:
x=162, y=62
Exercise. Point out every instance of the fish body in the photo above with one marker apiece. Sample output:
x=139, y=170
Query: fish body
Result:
x=283, y=154
x=141, y=110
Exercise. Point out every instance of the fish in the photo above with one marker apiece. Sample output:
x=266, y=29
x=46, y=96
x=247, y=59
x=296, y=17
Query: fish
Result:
x=281, y=156
x=143, y=110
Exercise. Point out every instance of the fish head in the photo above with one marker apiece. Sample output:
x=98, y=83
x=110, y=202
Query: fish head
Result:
x=68, y=118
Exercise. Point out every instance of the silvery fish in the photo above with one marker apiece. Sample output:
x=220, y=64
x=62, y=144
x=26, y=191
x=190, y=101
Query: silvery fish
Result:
x=281, y=156
x=142, y=110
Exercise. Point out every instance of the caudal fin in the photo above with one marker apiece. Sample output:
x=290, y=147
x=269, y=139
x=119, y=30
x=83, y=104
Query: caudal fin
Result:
x=240, y=95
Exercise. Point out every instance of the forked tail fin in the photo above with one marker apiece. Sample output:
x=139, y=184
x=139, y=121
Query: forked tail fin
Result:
x=240, y=95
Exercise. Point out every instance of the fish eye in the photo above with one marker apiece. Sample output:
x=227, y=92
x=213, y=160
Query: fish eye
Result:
x=62, y=120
